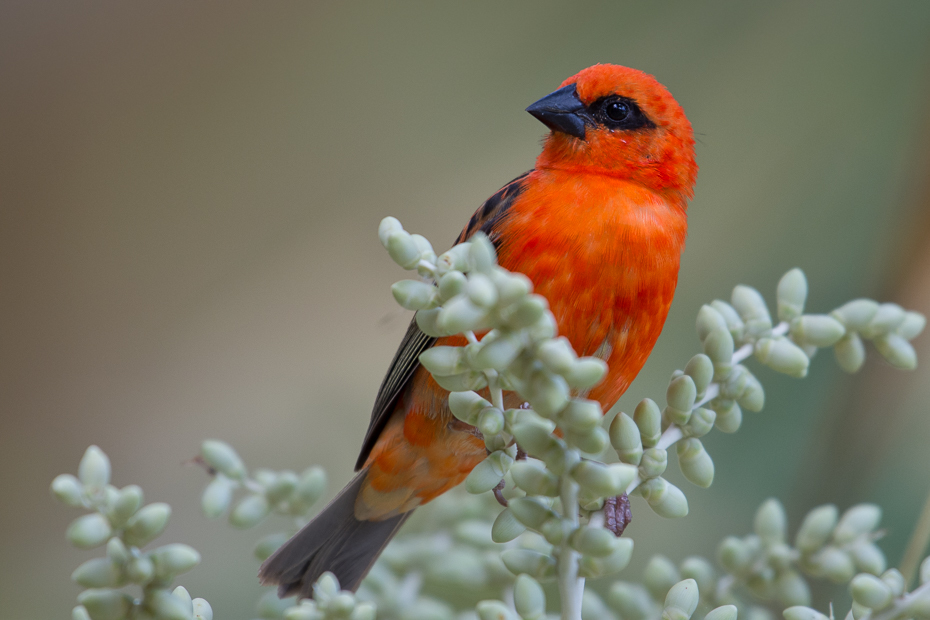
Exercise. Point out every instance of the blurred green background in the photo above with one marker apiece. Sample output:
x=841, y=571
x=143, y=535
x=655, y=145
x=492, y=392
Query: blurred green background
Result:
x=190, y=194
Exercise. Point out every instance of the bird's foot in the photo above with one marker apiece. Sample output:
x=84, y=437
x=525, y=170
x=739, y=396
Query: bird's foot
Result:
x=499, y=494
x=617, y=514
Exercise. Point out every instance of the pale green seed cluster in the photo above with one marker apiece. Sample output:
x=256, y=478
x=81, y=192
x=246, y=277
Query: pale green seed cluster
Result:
x=121, y=522
x=882, y=597
x=330, y=603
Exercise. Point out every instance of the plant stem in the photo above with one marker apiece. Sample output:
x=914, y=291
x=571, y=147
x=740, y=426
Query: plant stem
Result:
x=917, y=544
x=571, y=586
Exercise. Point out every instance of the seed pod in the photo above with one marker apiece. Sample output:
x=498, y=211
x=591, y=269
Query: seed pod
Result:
x=444, y=361
x=481, y=253
x=729, y=415
x=850, y=352
x=631, y=600
x=681, y=601
x=856, y=521
x=680, y=395
x=816, y=528
x=94, y=469
x=603, y=480
x=695, y=463
x=897, y=351
x=912, y=325
x=250, y=511
x=427, y=322
x=701, y=422
x=586, y=372
x=451, y=284
x=89, y=531
x=648, y=419
x=511, y=287
x=140, y=570
x=480, y=290
x=664, y=498
x=594, y=541
x=98, y=573
x=557, y=355
x=701, y=370
x=460, y=315
x=870, y=591
x=718, y=346
x=117, y=551
x=708, y=321
x=581, y=415
x=625, y=439
x=619, y=558
x=174, y=559
x=500, y=353
x=834, y=564
x=387, y=226
x=752, y=397
x=526, y=312
x=217, y=496
x=752, y=309
x=425, y=247
x=734, y=323
x=488, y=473
x=414, y=295
x=68, y=490
x=868, y=558
x=592, y=442
x=465, y=382
x=528, y=598
x=653, y=463
x=532, y=477
x=819, y=330
x=466, y=406
x=770, y=523
x=543, y=329
x=534, y=437
x=782, y=355
x=105, y=604
x=724, y=612
x=533, y=563
x=791, y=295
x=888, y=318
x=506, y=527
x=402, y=249
x=128, y=500
x=548, y=393
x=895, y=580
x=857, y=314
x=734, y=555
x=165, y=605
x=220, y=456
x=792, y=589
x=803, y=613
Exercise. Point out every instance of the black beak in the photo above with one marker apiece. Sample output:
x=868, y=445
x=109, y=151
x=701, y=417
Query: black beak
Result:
x=559, y=111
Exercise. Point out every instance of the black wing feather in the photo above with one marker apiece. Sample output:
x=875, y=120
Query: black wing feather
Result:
x=406, y=360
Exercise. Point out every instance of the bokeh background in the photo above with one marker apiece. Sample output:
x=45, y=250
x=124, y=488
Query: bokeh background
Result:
x=189, y=194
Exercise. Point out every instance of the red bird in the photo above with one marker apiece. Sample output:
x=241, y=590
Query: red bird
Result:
x=598, y=226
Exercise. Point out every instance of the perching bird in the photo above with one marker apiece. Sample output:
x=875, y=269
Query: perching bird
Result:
x=598, y=226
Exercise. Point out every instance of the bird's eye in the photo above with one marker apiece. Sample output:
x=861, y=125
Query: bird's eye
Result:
x=617, y=111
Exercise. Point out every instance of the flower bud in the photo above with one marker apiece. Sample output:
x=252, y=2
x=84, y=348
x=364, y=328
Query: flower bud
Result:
x=147, y=524
x=708, y=321
x=816, y=528
x=184, y=596
x=414, y=295
x=528, y=598
x=217, y=496
x=403, y=249
x=98, y=573
x=701, y=571
x=734, y=555
x=701, y=422
x=534, y=437
x=617, y=560
x=834, y=564
x=493, y=610
x=427, y=322
x=724, y=612
x=174, y=559
x=80, y=613
x=868, y=558
x=467, y=381
x=557, y=355
x=341, y=605
x=221, y=457
x=782, y=355
x=732, y=319
x=791, y=295
x=680, y=395
x=858, y=520
x=912, y=325
x=592, y=442
x=586, y=372
x=511, y=287
x=701, y=370
x=792, y=589
x=870, y=591
x=718, y=346
x=648, y=419
x=533, y=563
x=625, y=439
x=770, y=523
x=695, y=463
x=68, y=490
x=543, y=329
x=664, y=498
x=490, y=421
x=603, y=480
x=249, y=511
x=444, y=361
x=481, y=252
x=548, y=393
x=888, y=318
x=425, y=247
x=533, y=478
x=752, y=309
x=89, y=531
x=631, y=600
x=681, y=600
x=364, y=611
x=894, y=580
x=752, y=397
x=105, y=604
x=480, y=290
x=819, y=330
x=850, y=352
x=653, y=463
x=857, y=314
x=525, y=312
x=594, y=541
x=729, y=415
x=94, y=469
x=802, y=613
x=268, y=545
x=387, y=226
x=451, y=284
x=140, y=569
x=488, y=473
x=581, y=415
x=117, y=551
x=897, y=351
x=506, y=527
x=460, y=315
x=500, y=353
x=466, y=406
x=203, y=611
x=166, y=606
x=128, y=500
x=310, y=487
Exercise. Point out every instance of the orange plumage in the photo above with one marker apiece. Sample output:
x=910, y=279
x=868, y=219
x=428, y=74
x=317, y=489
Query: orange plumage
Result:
x=598, y=226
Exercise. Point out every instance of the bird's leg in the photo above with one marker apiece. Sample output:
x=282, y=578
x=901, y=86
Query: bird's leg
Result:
x=499, y=494
x=617, y=513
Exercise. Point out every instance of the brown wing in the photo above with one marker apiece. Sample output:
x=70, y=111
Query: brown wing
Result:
x=406, y=360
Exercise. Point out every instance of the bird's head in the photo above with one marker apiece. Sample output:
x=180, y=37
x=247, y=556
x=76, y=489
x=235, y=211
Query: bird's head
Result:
x=622, y=122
